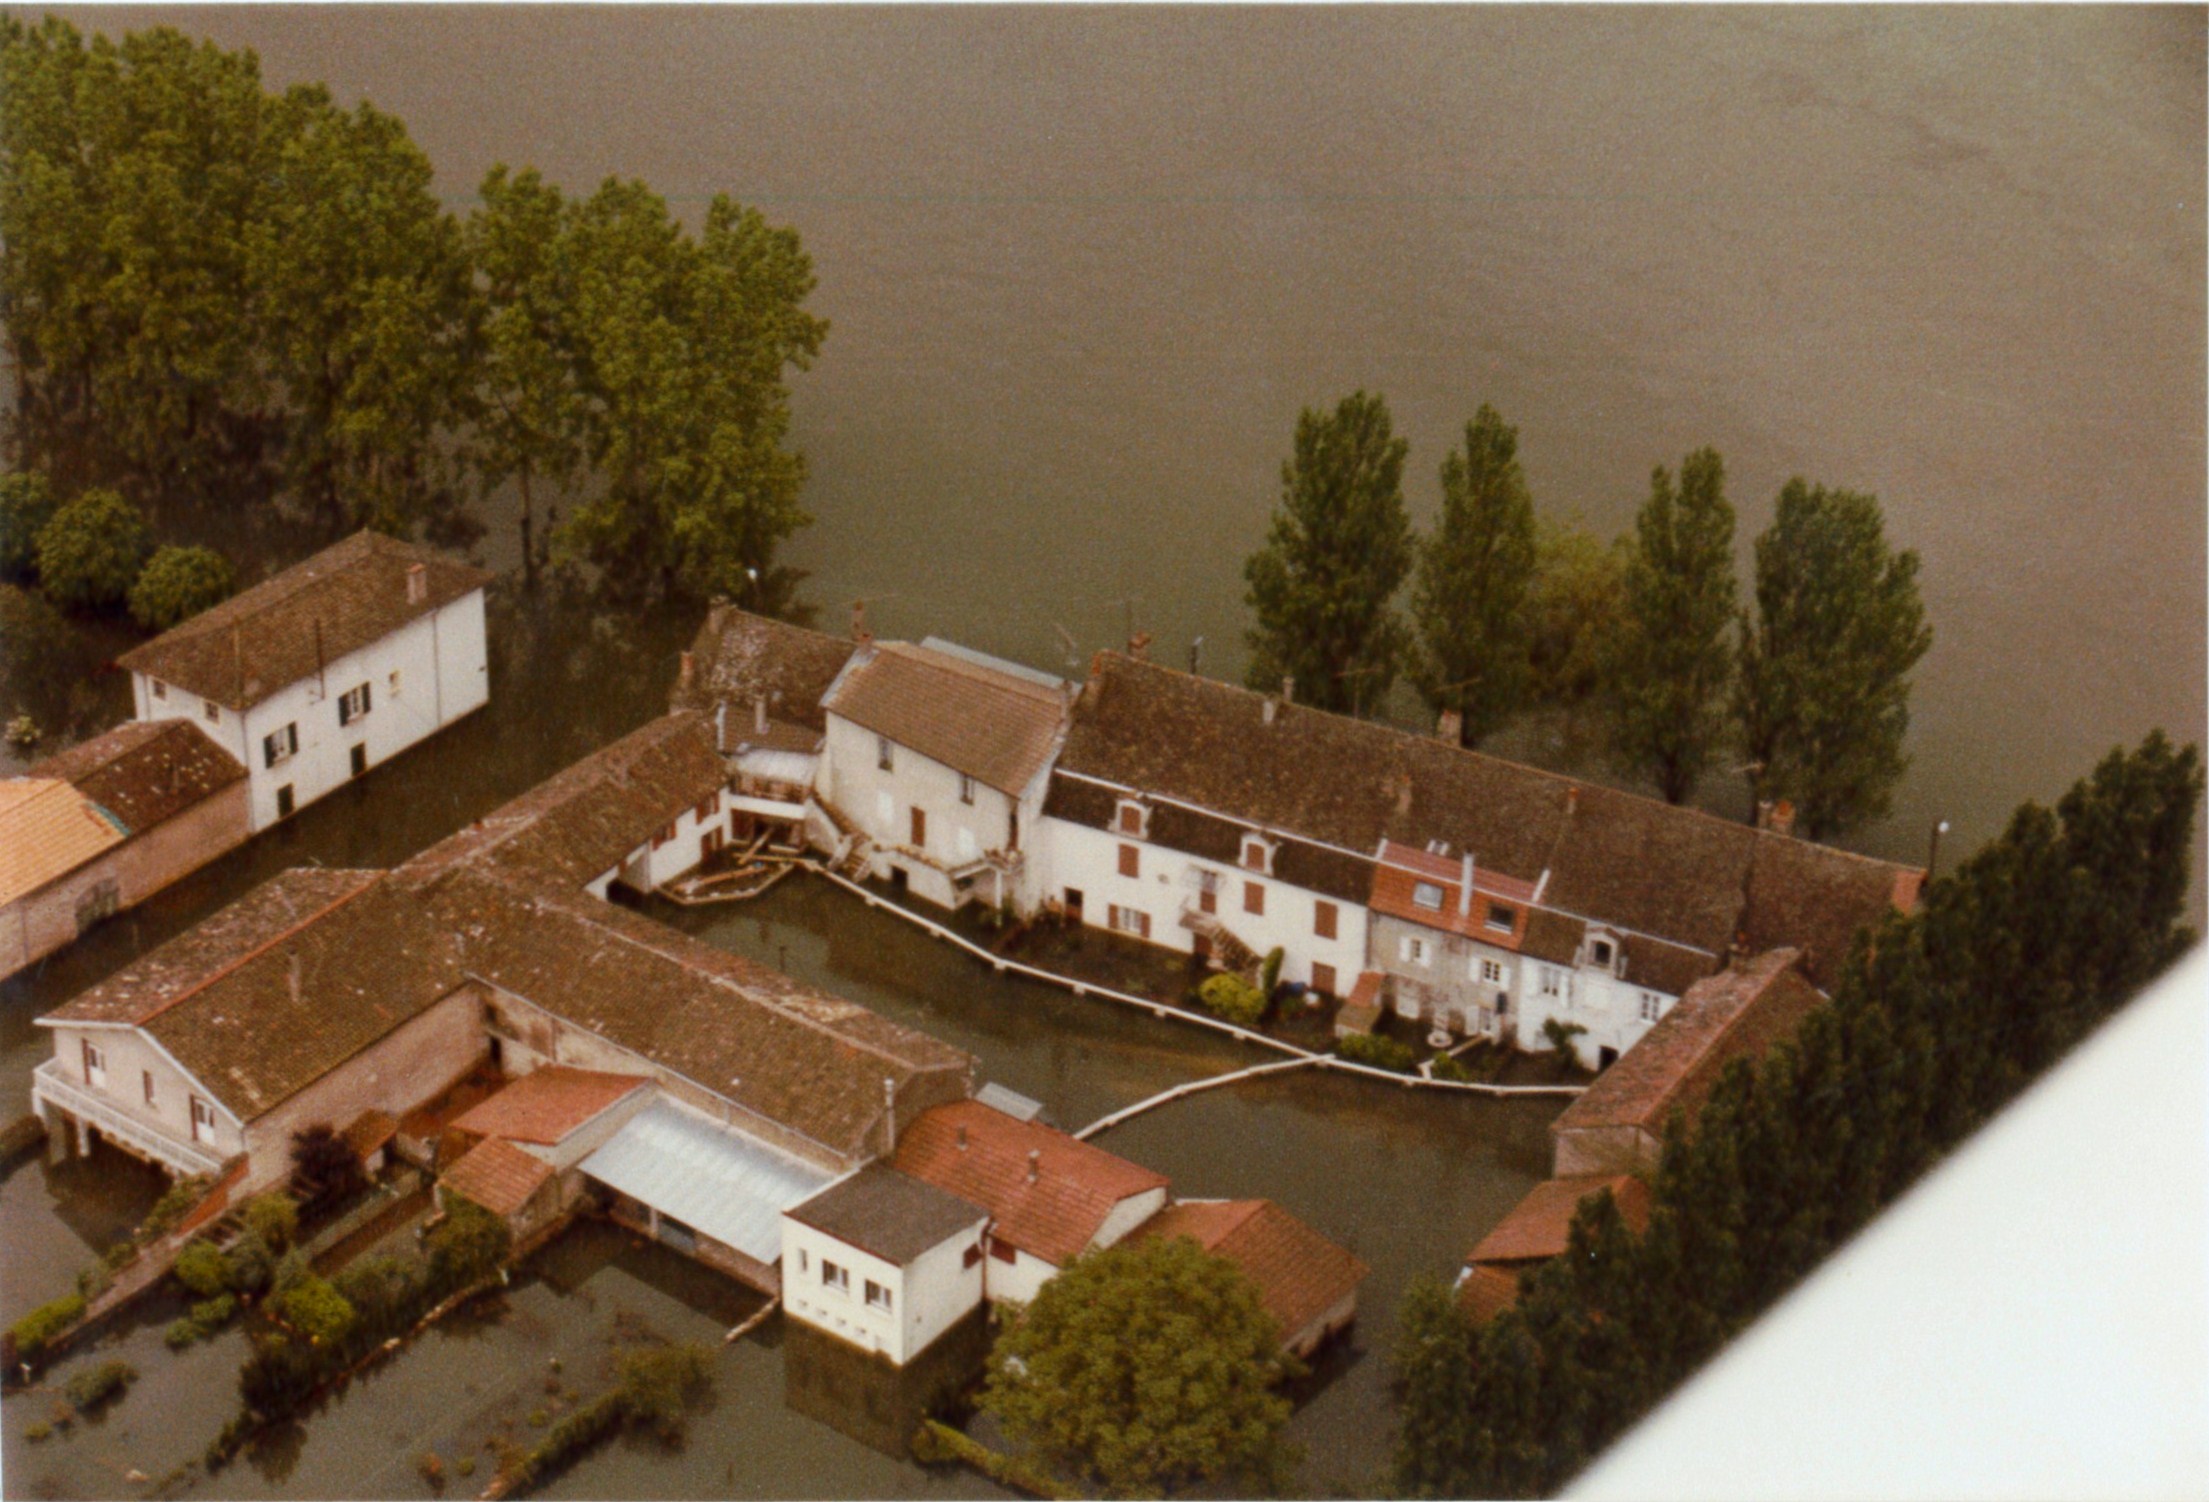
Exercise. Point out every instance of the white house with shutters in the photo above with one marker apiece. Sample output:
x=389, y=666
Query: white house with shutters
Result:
x=327, y=670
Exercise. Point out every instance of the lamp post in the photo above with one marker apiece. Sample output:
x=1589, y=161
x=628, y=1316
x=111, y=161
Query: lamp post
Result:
x=1933, y=854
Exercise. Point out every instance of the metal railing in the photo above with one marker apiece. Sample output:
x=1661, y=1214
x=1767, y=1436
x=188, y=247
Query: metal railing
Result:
x=50, y=1082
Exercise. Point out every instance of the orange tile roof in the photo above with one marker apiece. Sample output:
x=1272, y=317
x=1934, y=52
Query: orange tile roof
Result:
x=1300, y=1274
x=497, y=1175
x=1538, y=1226
x=1402, y=869
x=47, y=830
x=1486, y=1292
x=981, y=1154
x=370, y=1130
x=546, y=1104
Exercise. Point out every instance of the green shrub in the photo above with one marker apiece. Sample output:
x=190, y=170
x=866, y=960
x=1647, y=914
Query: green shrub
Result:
x=1447, y=1068
x=175, y=1203
x=179, y=583
x=385, y=1290
x=248, y=1265
x=90, y=553
x=119, y=1256
x=274, y=1217
x=319, y=1311
x=465, y=1465
x=1269, y=973
x=468, y=1244
x=26, y=506
x=1378, y=1050
x=100, y=1384
x=1233, y=999
x=203, y=1269
x=35, y=1331
x=655, y=1384
x=202, y=1320
x=1560, y=1035
x=33, y=636
x=37, y=1430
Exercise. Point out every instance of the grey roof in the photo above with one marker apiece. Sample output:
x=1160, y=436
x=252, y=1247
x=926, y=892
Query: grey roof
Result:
x=888, y=1214
x=713, y=1178
x=1011, y=1102
x=1001, y=664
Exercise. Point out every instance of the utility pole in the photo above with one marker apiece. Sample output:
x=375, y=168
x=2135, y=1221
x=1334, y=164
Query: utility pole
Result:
x=1933, y=854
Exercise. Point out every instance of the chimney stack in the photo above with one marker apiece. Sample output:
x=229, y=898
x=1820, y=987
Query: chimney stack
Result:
x=1572, y=799
x=686, y=672
x=1139, y=646
x=721, y=726
x=962, y=1139
x=1035, y=1163
x=1450, y=726
x=294, y=977
x=1273, y=707
x=759, y=714
x=1288, y=688
x=418, y=584
x=1465, y=894
x=1764, y=813
x=859, y=631
x=1783, y=817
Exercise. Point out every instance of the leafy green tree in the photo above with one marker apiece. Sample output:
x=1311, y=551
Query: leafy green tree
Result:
x=1142, y=1367
x=274, y=1217
x=1823, y=694
x=1669, y=662
x=682, y=346
x=90, y=553
x=1339, y=546
x=1475, y=573
x=468, y=1244
x=201, y=1268
x=318, y=1311
x=1573, y=611
x=530, y=403
x=26, y=506
x=177, y=584
x=1433, y=1364
x=1233, y=999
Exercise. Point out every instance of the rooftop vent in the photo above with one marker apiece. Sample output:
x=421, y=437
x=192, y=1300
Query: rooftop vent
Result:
x=1035, y=1163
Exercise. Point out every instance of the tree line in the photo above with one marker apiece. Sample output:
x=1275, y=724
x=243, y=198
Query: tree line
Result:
x=218, y=295
x=1940, y=1018
x=1810, y=679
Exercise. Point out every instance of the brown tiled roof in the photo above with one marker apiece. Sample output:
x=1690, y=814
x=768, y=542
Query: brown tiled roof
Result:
x=370, y=1130
x=1300, y=1274
x=993, y=726
x=1537, y=1228
x=497, y=1175
x=1669, y=968
x=546, y=1104
x=738, y=657
x=889, y=1214
x=1738, y=1013
x=175, y=969
x=48, y=829
x=1486, y=1292
x=145, y=771
x=586, y=818
x=285, y=628
x=1056, y=1216
x=1676, y=874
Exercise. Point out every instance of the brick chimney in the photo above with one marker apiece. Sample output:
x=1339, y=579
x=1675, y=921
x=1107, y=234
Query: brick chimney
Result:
x=1271, y=710
x=962, y=1139
x=759, y=714
x=859, y=631
x=1450, y=726
x=686, y=672
x=1288, y=688
x=1465, y=892
x=418, y=583
x=1783, y=817
x=1139, y=646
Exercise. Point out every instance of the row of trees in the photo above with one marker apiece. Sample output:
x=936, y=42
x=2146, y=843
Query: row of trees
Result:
x=1939, y=1020
x=96, y=552
x=1811, y=683
x=216, y=294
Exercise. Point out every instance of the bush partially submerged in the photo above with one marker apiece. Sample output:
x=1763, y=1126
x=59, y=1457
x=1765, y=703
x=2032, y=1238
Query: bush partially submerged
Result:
x=274, y=1217
x=35, y=1331
x=202, y=1268
x=319, y=1311
x=98, y=1385
x=1378, y=1050
x=203, y=1320
x=1233, y=999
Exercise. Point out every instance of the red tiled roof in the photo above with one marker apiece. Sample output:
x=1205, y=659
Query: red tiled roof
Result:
x=546, y=1104
x=1486, y=1292
x=1300, y=1274
x=1367, y=992
x=1402, y=870
x=1738, y=1013
x=1537, y=1227
x=497, y=1175
x=990, y=725
x=1055, y=1217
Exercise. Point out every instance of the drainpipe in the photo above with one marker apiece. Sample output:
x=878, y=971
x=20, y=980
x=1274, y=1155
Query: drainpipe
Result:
x=1465, y=893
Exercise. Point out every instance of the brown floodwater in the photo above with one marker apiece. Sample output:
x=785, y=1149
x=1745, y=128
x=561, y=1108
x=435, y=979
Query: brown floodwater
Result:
x=1084, y=266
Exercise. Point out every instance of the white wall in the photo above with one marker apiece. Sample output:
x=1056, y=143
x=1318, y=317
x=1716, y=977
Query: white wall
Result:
x=928, y=1296
x=881, y=804
x=1089, y=860
x=1610, y=1009
x=131, y=1055
x=1017, y=1281
x=443, y=673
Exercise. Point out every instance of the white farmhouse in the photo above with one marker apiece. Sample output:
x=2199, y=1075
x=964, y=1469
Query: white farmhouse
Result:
x=937, y=758
x=332, y=667
x=883, y=1261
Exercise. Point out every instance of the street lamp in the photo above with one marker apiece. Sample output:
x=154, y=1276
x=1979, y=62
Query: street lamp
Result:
x=1933, y=855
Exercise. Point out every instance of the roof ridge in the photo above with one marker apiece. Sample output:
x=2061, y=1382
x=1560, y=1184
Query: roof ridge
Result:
x=258, y=950
x=942, y=661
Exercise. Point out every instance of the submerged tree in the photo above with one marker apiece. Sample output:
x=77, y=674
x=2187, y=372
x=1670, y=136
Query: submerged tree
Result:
x=1339, y=546
x=1469, y=602
x=1824, y=689
x=1669, y=663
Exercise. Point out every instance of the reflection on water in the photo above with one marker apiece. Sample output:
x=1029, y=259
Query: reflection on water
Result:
x=864, y=1396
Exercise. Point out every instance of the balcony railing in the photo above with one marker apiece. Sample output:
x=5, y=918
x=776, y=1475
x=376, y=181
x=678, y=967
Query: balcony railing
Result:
x=51, y=1083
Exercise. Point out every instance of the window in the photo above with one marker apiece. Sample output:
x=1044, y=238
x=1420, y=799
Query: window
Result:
x=1412, y=951
x=1131, y=861
x=352, y=704
x=1208, y=890
x=972, y=1255
x=801, y=1260
x=1502, y=919
x=284, y=802
x=1553, y=984
x=1652, y=1006
x=883, y=760
x=1002, y=1250
x=360, y=758
x=833, y=1276
x=1323, y=921
x=280, y=745
x=212, y=710
x=203, y=1121
x=1491, y=971
x=1131, y=818
x=146, y=1078
x=1599, y=952
x=95, y=1065
x=1130, y=920
x=966, y=788
x=1428, y=895
x=920, y=828
x=665, y=834
x=707, y=807
x=878, y=1297
x=1254, y=899
x=1323, y=978
x=1257, y=854
x=160, y=689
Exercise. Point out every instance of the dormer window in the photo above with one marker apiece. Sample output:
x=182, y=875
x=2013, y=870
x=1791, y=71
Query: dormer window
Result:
x=1132, y=818
x=1257, y=854
x=1502, y=919
x=1427, y=895
x=1600, y=953
x=884, y=759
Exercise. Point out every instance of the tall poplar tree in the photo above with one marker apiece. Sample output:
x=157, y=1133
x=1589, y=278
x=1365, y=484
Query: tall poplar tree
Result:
x=1339, y=546
x=1670, y=661
x=1469, y=600
x=1824, y=689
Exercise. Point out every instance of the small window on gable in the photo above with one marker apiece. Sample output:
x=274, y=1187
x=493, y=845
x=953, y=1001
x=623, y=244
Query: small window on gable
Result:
x=1427, y=895
x=1502, y=919
x=213, y=710
x=1132, y=818
x=1257, y=854
x=160, y=689
x=884, y=760
x=966, y=788
x=1600, y=953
